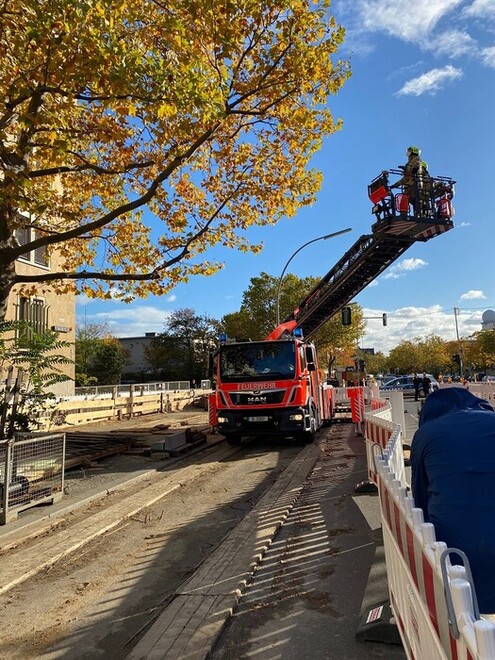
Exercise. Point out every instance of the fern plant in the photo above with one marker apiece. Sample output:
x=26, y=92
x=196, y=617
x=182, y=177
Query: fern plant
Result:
x=30, y=364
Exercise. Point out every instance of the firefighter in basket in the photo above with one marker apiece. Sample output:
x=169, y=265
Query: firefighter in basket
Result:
x=409, y=181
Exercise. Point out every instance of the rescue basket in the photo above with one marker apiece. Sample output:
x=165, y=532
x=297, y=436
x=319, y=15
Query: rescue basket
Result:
x=378, y=189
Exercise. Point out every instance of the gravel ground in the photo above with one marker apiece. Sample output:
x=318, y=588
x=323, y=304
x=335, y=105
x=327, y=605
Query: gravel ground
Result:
x=107, y=474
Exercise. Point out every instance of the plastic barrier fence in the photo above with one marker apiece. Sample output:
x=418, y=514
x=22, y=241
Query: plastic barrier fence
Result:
x=212, y=410
x=356, y=397
x=483, y=390
x=378, y=429
x=433, y=602
x=341, y=394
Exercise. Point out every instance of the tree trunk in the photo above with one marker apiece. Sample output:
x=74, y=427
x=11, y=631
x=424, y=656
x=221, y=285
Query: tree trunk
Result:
x=7, y=281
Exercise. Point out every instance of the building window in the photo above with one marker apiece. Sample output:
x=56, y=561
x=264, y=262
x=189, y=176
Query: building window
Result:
x=39, y=257
x=34, y=311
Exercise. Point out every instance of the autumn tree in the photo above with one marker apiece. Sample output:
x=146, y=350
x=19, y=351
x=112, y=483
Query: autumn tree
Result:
x=137, y=134
x=108, y=361
x=430, y=354
x=88, y=335
x=100, y=357
x=479, y=350
x=376, y=364
x=257, y=316
x=181, y=352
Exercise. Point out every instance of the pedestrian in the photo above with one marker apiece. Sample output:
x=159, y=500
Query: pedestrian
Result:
x=453, y=480
x=425, y=384
x=410, y=177
x=417, y=386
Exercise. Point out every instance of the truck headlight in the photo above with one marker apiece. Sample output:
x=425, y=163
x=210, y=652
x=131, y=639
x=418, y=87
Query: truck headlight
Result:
x=222, y=420
x=298, y=417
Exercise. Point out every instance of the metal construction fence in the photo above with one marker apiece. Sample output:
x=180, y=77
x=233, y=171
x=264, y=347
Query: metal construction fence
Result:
x=127, y=389
x=31, y=472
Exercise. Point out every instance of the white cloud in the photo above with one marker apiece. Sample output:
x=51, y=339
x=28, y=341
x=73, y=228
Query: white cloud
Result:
x=480, y=9
x=131, y=320
x=463, y=224
x=407, y=323
x=473, y=294
x=488, y=56
x=452, y=43
x=82, y=299
x=403, y=267
x=403, y=19
x=430, y=82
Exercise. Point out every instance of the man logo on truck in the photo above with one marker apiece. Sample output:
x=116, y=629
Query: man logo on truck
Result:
x=257, y=399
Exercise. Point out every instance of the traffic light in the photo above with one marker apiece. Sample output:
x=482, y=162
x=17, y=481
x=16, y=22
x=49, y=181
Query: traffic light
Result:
x=456, y=359
x=346, y=316
x=384, y=319
x=362, y=365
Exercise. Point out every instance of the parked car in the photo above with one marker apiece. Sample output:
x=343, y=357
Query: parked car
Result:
x=488, y=379
x=405, y=384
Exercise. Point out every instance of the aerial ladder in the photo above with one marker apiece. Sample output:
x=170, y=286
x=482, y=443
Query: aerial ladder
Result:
x=397, y=227
x=272, y=387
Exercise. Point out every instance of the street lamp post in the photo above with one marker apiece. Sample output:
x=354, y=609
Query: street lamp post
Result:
x=320, y=238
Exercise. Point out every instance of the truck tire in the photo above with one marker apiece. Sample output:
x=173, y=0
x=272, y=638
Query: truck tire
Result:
x=233, y=439
x=309, y=436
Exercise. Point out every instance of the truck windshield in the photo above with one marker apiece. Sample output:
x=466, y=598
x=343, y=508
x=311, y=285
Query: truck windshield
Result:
x=257, y=361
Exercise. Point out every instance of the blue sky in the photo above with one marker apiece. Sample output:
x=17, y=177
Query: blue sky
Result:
x=423, y=73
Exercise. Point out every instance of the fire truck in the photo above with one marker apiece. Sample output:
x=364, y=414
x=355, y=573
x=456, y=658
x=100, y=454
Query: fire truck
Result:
x=272, y=387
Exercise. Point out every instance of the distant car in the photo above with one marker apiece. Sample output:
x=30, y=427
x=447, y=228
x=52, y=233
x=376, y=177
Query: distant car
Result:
x=488, y=379
x=405, y=384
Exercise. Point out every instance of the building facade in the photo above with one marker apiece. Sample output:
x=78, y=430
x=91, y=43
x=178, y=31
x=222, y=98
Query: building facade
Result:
x=136, y=352
x=46, y=310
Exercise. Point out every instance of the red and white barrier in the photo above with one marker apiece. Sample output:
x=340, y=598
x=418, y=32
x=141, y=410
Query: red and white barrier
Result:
x=378, y=429
x=356, y=397
x=432, y=600
x=212, y=410
x=341, y=394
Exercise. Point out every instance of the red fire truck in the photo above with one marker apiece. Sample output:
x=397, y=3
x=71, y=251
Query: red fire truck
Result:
x=272, y=387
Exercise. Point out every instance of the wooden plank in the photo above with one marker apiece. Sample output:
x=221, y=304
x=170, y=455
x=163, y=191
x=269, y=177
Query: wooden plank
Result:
x=209, y=628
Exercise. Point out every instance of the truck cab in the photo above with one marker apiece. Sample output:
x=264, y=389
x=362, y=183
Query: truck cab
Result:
x=268, y=388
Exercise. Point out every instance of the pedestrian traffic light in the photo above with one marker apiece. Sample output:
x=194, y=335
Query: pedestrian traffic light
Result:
x=362, y=365
x=456, y=358
x=346, y=316
x=384, y=319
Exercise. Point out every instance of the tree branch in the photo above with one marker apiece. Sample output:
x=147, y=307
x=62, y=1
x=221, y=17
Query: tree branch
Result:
x=78, y=232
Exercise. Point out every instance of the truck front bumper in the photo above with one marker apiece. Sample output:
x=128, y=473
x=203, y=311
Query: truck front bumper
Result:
x=263, y=422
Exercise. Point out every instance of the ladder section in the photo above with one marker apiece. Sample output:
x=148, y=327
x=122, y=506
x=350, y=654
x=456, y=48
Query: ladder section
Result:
x=361, y=264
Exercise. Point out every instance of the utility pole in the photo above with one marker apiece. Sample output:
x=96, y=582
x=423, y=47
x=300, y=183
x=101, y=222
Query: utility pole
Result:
x=461, y=361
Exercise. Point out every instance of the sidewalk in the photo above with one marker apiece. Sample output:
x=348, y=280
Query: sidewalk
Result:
x=291, y=580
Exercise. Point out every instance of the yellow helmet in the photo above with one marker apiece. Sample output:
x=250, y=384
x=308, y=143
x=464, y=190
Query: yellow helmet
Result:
x=414, y=150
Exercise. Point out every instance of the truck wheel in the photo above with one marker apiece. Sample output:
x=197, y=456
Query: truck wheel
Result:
x=309, y=436
x=234, y=440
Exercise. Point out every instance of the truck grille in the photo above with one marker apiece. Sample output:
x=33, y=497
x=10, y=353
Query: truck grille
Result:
x=256, y=398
